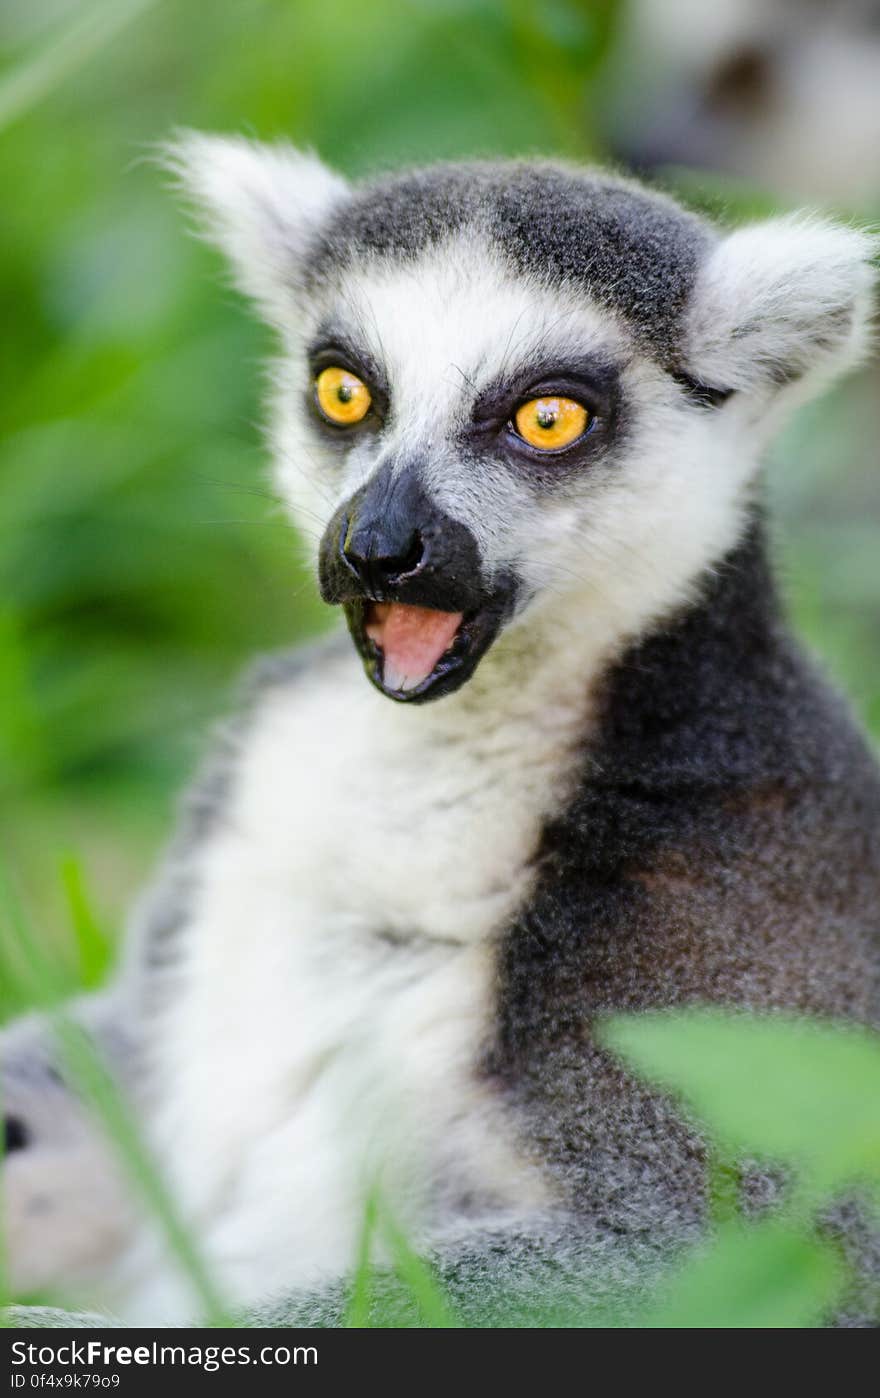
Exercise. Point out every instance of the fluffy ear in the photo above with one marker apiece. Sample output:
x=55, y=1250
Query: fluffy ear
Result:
x=260, y=204
x=779, y=301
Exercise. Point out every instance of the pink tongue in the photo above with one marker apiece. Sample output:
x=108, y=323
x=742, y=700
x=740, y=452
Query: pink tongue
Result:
x=412, y=640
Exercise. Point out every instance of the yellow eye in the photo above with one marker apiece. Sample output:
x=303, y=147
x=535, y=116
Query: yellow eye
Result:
x=551, y=423
x=342, y=397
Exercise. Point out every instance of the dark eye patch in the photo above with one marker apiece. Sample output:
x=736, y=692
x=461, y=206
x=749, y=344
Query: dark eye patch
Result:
x=593, y=381
x=702, y=395
x=332, y=347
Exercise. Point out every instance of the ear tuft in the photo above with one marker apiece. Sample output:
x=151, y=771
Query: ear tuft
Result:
x=260, y=204
x=782, y=301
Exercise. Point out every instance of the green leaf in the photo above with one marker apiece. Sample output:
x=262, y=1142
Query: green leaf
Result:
x=768, y=1276
x=776, y=1086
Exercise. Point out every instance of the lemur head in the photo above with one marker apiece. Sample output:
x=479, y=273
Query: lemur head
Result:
x=512, y=393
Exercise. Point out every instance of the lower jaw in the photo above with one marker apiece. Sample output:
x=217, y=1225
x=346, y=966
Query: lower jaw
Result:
x=453, y=669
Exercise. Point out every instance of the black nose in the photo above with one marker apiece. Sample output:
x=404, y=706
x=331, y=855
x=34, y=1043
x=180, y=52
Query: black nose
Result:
x=382, y=553
x=391, y=542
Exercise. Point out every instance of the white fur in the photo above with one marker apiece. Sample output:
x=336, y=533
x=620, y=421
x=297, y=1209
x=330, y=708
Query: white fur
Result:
x=333, y=988
x=260, y=205
x=791, y=295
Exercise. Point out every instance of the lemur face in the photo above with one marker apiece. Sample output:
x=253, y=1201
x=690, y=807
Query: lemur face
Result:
x=511, y=391
x=471, y=436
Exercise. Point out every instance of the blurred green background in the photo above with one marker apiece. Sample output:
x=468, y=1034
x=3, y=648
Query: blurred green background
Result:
x=142, y=559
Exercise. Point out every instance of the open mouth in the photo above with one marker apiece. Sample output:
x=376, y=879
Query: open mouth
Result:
x=413, y=653
x=412, y=641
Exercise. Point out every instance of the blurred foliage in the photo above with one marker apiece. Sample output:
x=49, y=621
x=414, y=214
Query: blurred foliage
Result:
x=141, y=556
x=819, y=1103
x=800, y=1095
x=803, y=1097
x=795, y=1096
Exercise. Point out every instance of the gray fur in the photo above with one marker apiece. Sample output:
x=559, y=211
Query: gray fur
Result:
x=634, y=251
x=70, y=1212
x=164, y=912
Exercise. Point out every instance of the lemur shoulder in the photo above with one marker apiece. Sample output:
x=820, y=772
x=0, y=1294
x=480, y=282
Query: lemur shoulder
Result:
x=572, y=762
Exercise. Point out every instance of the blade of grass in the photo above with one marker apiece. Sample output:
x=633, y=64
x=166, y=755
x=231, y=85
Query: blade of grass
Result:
x=36, y=77
x=358, y=1314
x=415, y=1273
x=93, y=945
x=40, y=986
x=411, y=1270
x=21, y=741
x=89, y=1073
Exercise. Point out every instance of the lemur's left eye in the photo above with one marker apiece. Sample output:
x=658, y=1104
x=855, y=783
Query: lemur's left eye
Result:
x=551, y=423
x=342, y=397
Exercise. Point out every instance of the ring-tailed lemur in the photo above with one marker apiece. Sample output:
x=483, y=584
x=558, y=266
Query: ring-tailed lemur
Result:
x=520, y=410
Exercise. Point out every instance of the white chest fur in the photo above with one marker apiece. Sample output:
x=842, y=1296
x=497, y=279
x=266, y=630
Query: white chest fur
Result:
x=333, y=986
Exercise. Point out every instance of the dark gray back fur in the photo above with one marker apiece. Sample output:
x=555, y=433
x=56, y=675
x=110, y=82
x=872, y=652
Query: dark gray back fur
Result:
x=723, y=847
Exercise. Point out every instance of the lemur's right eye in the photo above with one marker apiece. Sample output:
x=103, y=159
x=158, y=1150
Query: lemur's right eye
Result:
x=551, y=423
x=342, y=397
